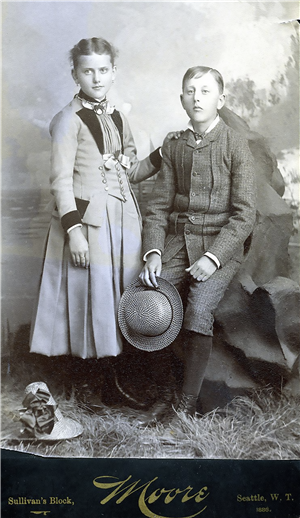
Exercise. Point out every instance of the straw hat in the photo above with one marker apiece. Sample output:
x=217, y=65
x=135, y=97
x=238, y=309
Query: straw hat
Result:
x=150, y=318
x=42, y=419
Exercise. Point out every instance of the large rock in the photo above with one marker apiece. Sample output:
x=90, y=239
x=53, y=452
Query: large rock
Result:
x=258, y=321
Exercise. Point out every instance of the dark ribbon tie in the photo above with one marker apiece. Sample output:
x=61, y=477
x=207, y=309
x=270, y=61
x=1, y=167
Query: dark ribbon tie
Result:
x=38, y=416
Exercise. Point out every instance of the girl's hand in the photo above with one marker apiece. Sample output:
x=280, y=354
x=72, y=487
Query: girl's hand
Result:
x=79, y=248
x=151, y=269
x=173, y=135
x=202, y=269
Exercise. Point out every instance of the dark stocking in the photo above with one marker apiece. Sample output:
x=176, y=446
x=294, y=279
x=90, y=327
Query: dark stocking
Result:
x=197, y=352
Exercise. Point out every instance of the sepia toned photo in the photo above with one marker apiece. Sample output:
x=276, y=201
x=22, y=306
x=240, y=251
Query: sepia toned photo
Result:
x=150, y=232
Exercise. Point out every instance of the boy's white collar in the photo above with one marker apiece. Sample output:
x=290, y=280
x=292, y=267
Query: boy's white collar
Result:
x=209, y=129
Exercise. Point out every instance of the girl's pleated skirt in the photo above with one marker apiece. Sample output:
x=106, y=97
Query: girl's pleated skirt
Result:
x=76, y=311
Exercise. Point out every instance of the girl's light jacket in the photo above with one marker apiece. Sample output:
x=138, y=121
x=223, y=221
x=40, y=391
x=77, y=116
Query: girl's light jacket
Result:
x=76, y=165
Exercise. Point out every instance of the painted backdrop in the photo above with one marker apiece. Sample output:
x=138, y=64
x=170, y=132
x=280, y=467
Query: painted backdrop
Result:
x=254, y=45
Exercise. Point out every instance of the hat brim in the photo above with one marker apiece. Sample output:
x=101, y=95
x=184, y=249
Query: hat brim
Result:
x=65, y=428
x=158, y=342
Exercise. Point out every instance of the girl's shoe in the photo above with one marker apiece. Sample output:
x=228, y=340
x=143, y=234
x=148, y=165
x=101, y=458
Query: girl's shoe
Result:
x=88, y=399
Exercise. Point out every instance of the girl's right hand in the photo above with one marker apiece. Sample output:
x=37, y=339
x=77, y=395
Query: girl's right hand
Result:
x=79, y=248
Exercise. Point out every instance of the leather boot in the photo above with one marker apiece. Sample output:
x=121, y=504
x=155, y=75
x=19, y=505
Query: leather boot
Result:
x=187, y=404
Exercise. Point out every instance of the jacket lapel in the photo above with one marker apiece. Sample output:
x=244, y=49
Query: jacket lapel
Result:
x=184, y=160
x=90, y=119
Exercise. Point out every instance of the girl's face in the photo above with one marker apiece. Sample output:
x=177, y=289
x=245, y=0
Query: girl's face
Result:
x=95, y=74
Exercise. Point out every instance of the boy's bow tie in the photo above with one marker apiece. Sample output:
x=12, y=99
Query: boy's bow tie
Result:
x=199, y=136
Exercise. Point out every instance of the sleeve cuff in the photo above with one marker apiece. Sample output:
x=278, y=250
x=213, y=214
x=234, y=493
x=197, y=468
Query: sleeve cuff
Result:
x=74, y=226
x=155, y=158
x=70, y=220
x=150, y=252
x=213, y=258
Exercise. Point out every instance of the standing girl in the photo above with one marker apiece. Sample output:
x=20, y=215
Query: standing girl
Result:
x=93, y=248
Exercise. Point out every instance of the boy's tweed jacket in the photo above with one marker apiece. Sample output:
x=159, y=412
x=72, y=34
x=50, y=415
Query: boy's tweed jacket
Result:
x=204, y=197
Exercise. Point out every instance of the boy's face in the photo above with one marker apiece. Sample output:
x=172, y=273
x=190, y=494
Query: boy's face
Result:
x=95, y=74
x=201, y=98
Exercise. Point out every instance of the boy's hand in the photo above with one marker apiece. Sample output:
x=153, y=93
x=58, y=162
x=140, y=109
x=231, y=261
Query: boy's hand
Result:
x=151, y=269
x=172, y=135
x=202, y=269
x=79, y=248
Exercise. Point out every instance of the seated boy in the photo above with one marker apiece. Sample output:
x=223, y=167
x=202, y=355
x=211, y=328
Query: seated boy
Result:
x=201, y=211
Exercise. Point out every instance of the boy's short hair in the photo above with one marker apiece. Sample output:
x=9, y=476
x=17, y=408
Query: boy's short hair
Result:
x=199, y=71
